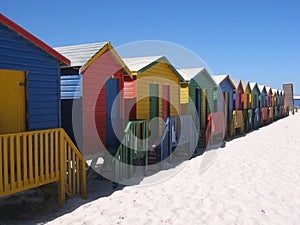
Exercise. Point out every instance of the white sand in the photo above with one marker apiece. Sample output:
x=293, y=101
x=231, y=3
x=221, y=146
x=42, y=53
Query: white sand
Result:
x=254, y=179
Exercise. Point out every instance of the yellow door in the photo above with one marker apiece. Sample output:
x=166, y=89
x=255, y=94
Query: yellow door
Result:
x=12, y=101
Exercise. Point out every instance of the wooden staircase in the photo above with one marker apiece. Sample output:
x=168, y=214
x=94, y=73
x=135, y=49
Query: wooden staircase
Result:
x=31, y=159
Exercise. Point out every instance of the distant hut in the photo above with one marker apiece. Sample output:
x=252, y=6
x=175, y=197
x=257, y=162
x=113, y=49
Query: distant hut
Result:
x=200, y=98
x=238, y=102
x=270, y=104
x=247, y=110
x=255, y=104
x=263, y=105
x=227, y=88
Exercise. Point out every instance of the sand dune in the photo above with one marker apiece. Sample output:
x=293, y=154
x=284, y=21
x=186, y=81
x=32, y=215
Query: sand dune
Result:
x=254, y=179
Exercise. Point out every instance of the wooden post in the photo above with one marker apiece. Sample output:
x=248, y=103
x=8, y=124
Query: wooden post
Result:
x=62, y=170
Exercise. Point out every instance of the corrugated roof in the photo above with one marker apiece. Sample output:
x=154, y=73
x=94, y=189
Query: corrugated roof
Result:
x=137, y=63
x=261, y=88
x=252, y=85
x=219, y=78
x=189, y=73
x=245, y=84
x=236, y=82
x=268, y=89
x=80, y=54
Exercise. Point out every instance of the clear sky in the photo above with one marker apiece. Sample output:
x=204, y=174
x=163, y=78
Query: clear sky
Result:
x=256, y=40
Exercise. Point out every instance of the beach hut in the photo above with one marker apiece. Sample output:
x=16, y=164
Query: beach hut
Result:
x=247, y=110
x=279, y=103
x=200, y=98
x=33, y=66
x=32, y=144
x=227, y=88
x=154, y=95
x=92, y=101
x=275, y=104
x=270, y=104
x=263, y=104
x=255, y=93
x=238, y=103
x=154, y=90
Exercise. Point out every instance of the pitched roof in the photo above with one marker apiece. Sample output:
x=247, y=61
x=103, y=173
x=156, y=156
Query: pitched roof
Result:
x=80, y=54
x=268, y=89
x=15, y=27
x=220, y=78
x=190, y=73
x=140, y=64
x=237, y=82
x=84, y=55
x=252, y=85
x=261, y=88
x=245, y=84
x=136, y=64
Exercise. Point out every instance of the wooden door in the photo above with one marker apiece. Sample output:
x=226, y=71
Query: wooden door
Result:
x=12, y=101
x=154, y=110
x=112, y=113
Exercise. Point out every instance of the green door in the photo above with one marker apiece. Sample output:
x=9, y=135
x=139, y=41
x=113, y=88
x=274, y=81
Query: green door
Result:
x=154, y=108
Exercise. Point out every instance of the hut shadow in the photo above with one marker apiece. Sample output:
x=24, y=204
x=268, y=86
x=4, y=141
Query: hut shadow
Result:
x=39, y=205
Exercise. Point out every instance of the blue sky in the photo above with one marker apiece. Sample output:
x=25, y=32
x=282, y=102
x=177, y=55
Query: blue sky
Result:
x=256, y=40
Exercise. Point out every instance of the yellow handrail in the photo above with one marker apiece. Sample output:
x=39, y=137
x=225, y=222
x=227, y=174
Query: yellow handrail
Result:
x=34, y=158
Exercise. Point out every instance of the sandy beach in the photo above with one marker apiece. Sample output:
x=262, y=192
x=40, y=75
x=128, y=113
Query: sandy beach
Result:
x=254, y=179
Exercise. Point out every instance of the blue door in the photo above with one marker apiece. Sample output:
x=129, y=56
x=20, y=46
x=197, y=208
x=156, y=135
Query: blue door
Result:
x=112, y=114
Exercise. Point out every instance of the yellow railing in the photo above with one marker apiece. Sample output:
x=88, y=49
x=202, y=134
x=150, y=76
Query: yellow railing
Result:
x=31, y=159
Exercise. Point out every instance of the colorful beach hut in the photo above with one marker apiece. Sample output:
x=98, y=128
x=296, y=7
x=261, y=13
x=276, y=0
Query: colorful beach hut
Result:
x=154, y=95
x=263, y=104
x=279, y=103
x=247, y=110
x=238, y=102
x=32, y=144
x=29, y=75
x=200, y=98
x=154, y=90
x=275, y=104
x=227, y=88
x=270, y=104
x=255, y=93
x=92, y=101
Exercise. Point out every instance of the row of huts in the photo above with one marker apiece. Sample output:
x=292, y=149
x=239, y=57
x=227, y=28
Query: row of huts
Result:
x=93, y=94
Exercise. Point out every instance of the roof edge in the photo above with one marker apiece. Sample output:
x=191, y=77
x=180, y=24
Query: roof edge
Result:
x=12, y=25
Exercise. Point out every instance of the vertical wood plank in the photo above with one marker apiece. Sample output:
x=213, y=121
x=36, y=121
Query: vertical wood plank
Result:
x=12, y=162
x=1, y=163
x=51, y=155
x=46, y=156
x=18, y=161
x=25, y=152
x=5, y=163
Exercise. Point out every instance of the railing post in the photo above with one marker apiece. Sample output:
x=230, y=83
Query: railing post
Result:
x=83, y=179
x=62, y=171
